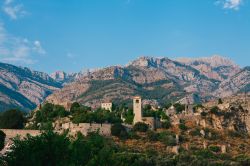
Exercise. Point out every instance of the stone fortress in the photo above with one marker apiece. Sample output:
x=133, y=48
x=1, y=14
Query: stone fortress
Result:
x=154, y=123
x=84, y=128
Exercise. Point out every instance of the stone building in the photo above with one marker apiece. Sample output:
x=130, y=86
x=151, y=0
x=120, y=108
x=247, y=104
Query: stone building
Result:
x=107, y=106
x=137, y=107
x=138, y=116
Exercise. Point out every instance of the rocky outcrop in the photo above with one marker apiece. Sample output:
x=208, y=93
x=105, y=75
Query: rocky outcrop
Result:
x=23, y=88
x=215, y=67
x=232, y=114
x=65, y=78
x=239, y=82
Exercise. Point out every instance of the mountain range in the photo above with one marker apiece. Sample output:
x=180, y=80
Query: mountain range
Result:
x=157, y=80
x=23, y=88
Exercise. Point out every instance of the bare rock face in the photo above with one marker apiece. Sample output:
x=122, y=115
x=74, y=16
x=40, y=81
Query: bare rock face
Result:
x=63, y=77
x=23, y=88
x=233, y=113
x=59, y=76
x=215, y=67
x=240, y=82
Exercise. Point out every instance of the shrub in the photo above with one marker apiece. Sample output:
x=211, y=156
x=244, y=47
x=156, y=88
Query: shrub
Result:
x=74, y=106
x=179, y=107
x=237, y=134
x=49, y=112
x=243, y=160
x=215, y=110
x=129, y=116
x=220, y=101
x=195, y=132
x=167, y=105
x=214, y=135
x=203, y=114
x=148, y=113
x=183, y=127
x=167, y=138
x=141, y=127
x=215, y=149
x=12, y=119
x=152, y=136
x=166, y=124
x=46, y=126
x=206, y=154
x=119, y=130
x=2, y=139
x=133, y=135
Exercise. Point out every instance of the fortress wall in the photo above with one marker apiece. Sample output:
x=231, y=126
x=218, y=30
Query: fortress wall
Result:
x=84, y=128
x=10, y=133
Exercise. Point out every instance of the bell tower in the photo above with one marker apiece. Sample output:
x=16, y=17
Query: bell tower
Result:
x=137, y=108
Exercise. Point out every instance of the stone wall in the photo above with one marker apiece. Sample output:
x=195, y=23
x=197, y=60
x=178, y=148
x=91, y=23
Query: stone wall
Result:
x=84, y=128
x=10, y=133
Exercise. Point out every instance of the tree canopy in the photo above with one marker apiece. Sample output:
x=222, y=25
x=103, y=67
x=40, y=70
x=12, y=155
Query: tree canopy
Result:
x=2, y=139
x=12, y=119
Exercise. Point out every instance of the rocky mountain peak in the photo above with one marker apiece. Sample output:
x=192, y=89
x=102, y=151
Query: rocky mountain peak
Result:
x=59, y=75
x=146, y=61
x=214, y=67
x=213, y=61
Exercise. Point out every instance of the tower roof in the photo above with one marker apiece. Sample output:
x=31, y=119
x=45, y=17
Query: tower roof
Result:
x=137, y=97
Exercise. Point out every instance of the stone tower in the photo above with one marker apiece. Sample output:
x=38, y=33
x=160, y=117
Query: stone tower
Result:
x=137, y=107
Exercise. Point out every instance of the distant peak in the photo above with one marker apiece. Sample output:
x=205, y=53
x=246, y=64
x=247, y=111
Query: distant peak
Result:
x=214, y=61
x=58, y=75
x=147, y=61
x=247, y=68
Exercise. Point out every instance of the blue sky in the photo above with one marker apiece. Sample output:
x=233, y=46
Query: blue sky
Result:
x=71, y=35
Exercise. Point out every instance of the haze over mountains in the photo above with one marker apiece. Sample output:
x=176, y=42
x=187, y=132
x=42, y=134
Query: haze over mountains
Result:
x=158, y=80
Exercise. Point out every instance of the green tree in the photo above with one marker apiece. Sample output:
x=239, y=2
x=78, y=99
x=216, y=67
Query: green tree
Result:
x=119, y=130
x=47, y=149
x=2, y=139
x=179, y=107
x=215, y=110
x=215, y=149
x=183, y=127
x=12, y=119
x=80, y=151
x=166, y=124
x=220, y=101
x=141, y=127
x=168, y=138
x=48, y=113
x=129, y=116
x=75, y=106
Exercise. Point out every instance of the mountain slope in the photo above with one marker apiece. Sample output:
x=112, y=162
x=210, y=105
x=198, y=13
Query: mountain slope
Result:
x=215, y=67
x=238, y=83
x=23, y=88
x=159, y=79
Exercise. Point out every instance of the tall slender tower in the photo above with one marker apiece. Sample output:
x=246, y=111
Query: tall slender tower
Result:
x=137, y=108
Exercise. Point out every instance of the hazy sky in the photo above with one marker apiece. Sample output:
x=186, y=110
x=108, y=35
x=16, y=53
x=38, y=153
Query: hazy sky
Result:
x=70, y=35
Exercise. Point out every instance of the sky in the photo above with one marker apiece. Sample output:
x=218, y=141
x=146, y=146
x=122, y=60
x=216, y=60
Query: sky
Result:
x=73, y=35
